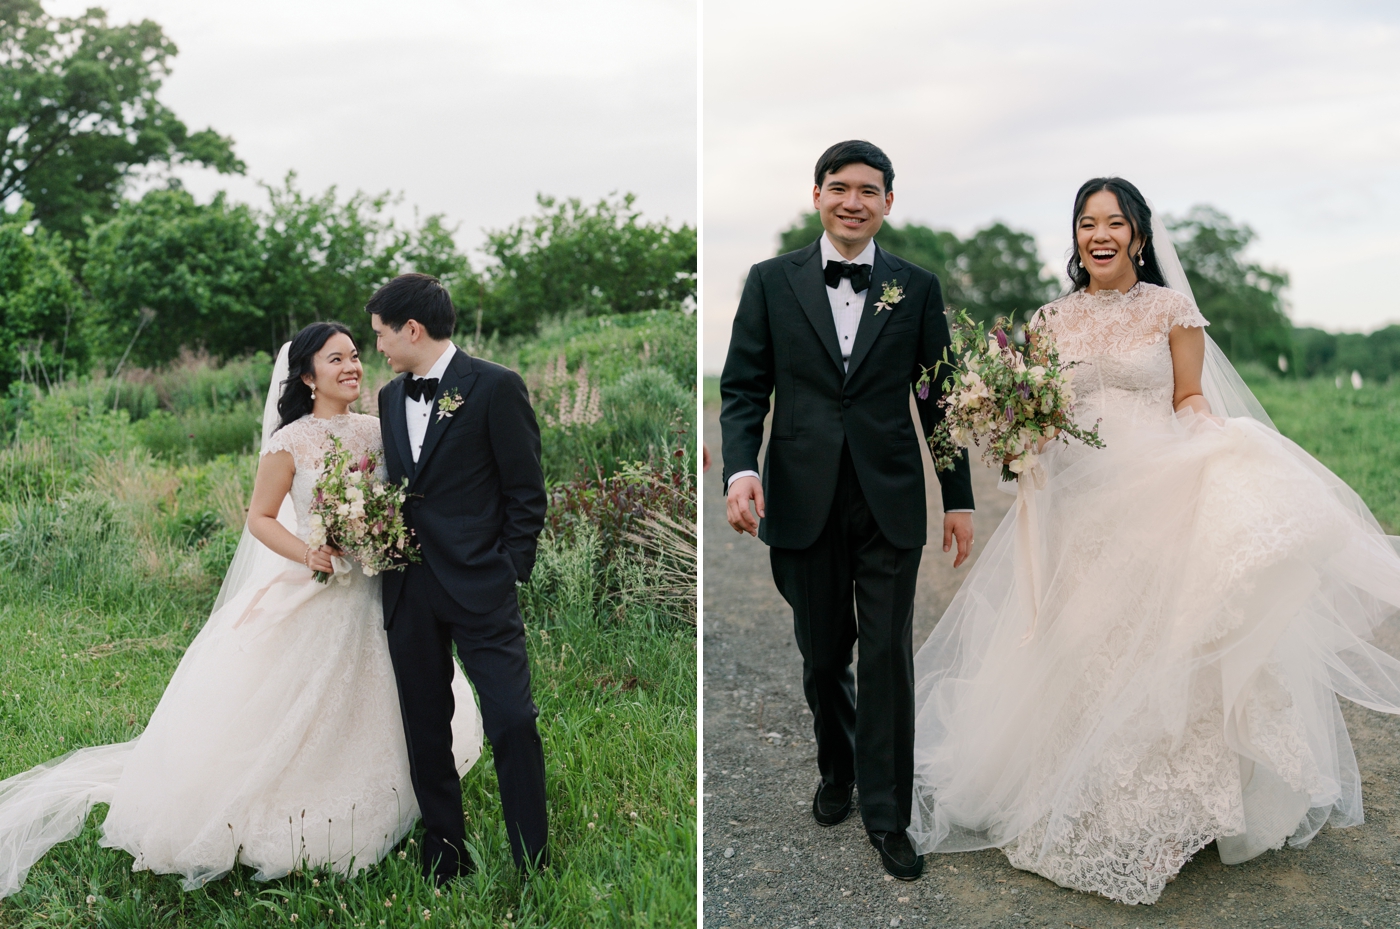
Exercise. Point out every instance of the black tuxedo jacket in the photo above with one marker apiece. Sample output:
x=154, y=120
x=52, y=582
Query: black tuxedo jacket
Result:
x=784, y=346
x=476, y=495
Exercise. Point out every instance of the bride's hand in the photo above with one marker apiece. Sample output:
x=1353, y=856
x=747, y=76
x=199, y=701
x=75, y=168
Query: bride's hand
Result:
x=319, y=559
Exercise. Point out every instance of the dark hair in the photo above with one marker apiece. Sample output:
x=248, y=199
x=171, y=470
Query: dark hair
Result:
x=415, y=296
x=852, y=153
x=296, y=401
x=1134, y=206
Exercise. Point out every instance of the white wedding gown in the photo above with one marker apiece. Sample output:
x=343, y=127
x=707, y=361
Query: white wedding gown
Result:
x=278, y=742
x=1146, y=657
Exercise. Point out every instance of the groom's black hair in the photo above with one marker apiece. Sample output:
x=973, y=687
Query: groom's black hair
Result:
x=855, y=152
x=415, y=296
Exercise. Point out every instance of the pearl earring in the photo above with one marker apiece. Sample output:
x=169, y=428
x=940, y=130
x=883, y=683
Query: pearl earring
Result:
x=313, y=392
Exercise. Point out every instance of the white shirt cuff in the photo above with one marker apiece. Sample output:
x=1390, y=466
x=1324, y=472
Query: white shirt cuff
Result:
x=736, y=475
x=959, y=511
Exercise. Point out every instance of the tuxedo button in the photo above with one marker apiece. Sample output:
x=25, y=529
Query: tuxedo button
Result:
x=846, y=402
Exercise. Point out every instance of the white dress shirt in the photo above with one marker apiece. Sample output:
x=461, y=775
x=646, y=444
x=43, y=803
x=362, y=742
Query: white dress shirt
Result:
x=846, y=304
x=418, y=413
x=846, y=307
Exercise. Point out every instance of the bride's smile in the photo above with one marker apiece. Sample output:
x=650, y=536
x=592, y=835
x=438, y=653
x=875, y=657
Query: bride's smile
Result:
x=1106, y=244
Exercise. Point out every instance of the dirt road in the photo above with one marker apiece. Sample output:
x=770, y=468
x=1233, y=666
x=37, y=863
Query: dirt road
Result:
x=768, y=864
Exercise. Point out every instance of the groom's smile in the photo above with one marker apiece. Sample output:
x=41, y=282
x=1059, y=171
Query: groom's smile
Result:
x=853, y=204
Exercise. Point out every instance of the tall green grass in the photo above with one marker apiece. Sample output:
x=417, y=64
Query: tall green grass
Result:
x=1355, y=433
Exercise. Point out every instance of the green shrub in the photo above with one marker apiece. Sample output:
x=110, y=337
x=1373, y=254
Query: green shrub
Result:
x=200, y=435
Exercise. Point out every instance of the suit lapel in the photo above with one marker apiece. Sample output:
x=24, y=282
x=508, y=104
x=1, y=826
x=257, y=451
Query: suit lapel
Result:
x=805, y=276
x=887, y=269
x=460, y=377
x=394, y=414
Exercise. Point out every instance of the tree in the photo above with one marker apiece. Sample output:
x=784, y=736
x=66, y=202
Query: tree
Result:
x=199, y=268
x=995, y=272
x=324, y=258
x=1242, y=300
x=41, y=305
x=572, y=259
x=79, y=114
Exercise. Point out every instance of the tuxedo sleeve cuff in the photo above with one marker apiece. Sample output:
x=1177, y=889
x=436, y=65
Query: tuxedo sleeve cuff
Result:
x=736, y=475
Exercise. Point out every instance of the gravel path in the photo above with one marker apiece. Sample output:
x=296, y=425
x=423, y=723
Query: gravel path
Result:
x=766, y=863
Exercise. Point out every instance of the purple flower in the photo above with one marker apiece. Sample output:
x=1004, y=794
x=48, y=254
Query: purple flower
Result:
x=1001, y=338
x=1010, y=413
x=923, y=391
x=1024, y=390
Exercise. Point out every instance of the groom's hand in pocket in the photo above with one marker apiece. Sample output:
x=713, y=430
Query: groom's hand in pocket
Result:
x=958, y=526
x=741, y=492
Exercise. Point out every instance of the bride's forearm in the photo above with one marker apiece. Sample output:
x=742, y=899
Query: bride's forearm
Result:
x=1194, y=402
x=268, y=531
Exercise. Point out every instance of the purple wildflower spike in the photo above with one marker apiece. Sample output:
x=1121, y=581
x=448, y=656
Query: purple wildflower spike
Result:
x=923, y=391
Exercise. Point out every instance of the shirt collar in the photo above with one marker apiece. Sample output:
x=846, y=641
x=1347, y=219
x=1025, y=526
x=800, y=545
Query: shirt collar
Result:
x=829, y=253
x=440, y=366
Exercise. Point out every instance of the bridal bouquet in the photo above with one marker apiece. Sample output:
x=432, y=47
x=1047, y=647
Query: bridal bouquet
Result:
x=1003, y=397
x=360, y=514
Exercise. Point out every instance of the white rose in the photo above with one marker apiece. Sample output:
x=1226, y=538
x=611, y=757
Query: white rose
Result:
x=343, y=510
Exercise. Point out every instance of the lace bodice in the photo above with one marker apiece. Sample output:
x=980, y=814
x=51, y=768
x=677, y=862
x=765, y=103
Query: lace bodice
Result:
x=1123, y=374
x=308, y=439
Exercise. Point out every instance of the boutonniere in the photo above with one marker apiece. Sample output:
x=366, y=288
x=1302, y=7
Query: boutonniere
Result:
x=448, y=403
x=890, y=294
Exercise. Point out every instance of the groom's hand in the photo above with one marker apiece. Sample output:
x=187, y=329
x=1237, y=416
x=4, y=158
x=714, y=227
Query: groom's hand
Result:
x=742, y=491
x=957, y=526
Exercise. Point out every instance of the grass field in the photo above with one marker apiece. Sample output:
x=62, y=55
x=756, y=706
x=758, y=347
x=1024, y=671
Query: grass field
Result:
x=1355, y=433
x=110, y=555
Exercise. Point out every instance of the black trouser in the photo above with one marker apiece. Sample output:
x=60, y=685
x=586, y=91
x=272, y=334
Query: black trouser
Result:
x=492, y=647
x=853, y=585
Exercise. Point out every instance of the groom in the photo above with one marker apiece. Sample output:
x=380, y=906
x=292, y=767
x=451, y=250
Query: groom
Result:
x=463, y=432
x=836, y=333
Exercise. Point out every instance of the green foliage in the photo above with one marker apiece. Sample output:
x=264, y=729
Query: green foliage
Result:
x=41, y=306
x=324, y=258
x=1376, y=356
x=570, y=259
x=1242, y=300
x=1352, y=432
x=80, y=115
x=590, y=424
x=196, y=266
x=994, y=272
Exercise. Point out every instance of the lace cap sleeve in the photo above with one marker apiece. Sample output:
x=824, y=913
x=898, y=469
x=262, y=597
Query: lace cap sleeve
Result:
x=1178, y=310
x=283, y=440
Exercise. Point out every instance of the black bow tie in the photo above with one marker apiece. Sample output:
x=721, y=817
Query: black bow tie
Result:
x=420, y=388
x=859, y=275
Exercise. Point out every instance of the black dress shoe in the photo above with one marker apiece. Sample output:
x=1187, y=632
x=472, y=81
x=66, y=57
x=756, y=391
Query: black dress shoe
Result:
x=897, y=854
x=832, y=804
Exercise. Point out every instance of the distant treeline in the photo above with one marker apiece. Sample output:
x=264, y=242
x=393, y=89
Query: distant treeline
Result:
x=91, y=277
x=997, y=272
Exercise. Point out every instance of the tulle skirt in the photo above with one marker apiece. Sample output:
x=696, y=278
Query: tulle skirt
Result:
x=277, y=744
x=1147, y=658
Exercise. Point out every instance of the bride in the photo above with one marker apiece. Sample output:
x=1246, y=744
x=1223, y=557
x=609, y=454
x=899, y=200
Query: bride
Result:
x=1148, y=656
x=278, y=743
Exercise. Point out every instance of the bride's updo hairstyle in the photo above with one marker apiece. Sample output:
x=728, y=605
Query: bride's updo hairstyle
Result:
x=1134, y=206
x=296, y=401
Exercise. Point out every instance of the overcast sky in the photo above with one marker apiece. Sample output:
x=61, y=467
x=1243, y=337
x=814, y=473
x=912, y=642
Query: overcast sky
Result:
x=468, y=109
x=1284, y=115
